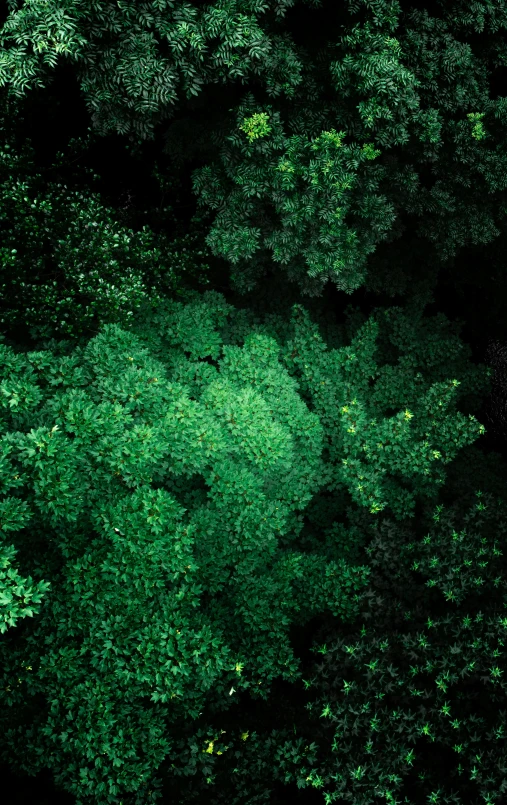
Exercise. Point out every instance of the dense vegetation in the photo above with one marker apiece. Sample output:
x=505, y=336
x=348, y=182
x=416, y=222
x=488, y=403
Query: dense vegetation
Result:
x=253, y=401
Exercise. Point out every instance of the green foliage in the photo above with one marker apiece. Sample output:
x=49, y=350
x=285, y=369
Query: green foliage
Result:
x=154, y=49
x=410, y=697
x=292, y=170
x=386, y=399
x=156, y=481
x=67, y=264
x=151, y=495
x=335, y=206
x=185, y=483
x=320, y=174
x=19, y=597
x=410, y=705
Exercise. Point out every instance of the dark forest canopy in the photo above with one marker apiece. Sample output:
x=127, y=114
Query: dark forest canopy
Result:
x=315, y=149
x=253, y=400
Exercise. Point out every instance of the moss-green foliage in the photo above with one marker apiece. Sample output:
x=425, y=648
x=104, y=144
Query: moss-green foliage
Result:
x=315, y=168
x=157, y=480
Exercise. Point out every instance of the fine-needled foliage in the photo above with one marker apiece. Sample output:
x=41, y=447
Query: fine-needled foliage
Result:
x=410, y=707
x=156, y=479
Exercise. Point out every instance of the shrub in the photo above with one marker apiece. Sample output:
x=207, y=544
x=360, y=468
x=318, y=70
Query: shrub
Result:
x=405, y=705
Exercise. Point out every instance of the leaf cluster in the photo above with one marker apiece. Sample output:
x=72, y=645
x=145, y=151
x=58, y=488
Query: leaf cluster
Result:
x=386, y=394
x=404, y=705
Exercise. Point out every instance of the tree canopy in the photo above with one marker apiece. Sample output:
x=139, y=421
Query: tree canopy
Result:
x=156, y=480
x=225, y=447
x=328, y=148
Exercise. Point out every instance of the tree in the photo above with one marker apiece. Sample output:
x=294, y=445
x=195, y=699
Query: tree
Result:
x=331, y=146
x=157, y=480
